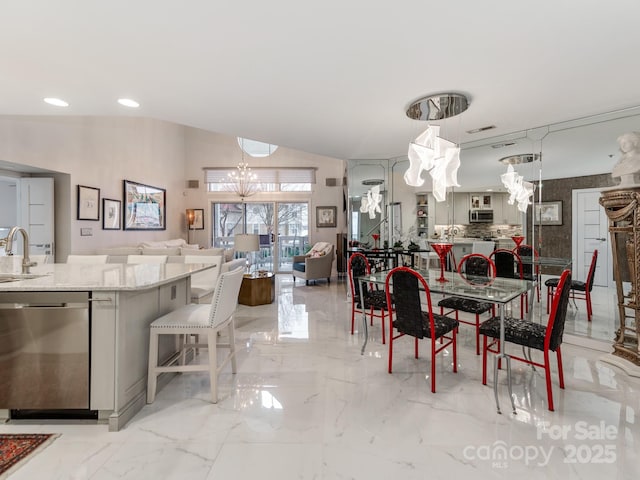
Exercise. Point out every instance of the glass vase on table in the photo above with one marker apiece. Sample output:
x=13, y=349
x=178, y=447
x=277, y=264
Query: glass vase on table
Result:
x=376, y=237
x=518, y=239
x=442, y=249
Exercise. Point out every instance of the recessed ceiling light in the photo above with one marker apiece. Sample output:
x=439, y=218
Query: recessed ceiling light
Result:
x=127, y=102
x=502, y=145
x=489, y=189
x=522, y=158
x=481, y=129
x=372, y=182
x=56, y=101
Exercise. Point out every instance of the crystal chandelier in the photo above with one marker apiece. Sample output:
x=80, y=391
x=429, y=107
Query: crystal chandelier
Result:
x=243, y=182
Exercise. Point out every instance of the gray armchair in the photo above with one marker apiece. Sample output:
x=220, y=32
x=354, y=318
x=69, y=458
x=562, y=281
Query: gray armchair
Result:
x=315, y=264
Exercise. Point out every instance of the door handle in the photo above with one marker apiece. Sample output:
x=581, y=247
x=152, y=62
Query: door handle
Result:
x=602, y=239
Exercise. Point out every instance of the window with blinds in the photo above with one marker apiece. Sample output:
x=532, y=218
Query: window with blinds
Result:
x=269, y=179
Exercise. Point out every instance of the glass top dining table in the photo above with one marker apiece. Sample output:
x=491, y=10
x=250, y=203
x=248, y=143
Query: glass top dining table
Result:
x=499, y=291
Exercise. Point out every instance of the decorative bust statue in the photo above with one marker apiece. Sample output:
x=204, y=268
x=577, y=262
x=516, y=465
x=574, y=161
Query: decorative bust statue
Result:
x=629, y=162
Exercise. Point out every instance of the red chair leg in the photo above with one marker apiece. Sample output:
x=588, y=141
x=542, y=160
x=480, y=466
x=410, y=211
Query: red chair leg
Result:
x=383, y=332
x=390, y=348
x=547, y=376
x=433, y=366
x=589, y=309
x=560, y=371
x=484, y=359
x=415, y=347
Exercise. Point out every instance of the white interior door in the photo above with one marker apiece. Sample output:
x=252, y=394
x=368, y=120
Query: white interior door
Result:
x=591, y=232
x=36, y=215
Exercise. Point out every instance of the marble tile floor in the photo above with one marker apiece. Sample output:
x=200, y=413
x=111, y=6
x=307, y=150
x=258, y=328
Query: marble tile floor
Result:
x=306, y=405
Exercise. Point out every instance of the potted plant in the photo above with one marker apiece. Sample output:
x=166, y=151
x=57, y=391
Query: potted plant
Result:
x=413, y=246
x=398, y=245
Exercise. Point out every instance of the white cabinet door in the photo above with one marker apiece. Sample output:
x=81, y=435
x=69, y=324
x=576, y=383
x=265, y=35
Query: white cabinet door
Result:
x=440, y=210
x=512, y=215
x=36, y=214
x=461, y=209
x=499, y=212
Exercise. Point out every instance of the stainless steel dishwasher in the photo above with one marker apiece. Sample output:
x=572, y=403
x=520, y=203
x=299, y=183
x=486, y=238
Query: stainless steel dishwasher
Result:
x=44, y=350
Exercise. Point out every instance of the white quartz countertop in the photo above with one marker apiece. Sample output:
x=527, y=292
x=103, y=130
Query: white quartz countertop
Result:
x=79, y=277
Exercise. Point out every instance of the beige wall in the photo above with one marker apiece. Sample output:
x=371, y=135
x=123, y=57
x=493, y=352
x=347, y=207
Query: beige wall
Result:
x=207, y=149
x=102, y=151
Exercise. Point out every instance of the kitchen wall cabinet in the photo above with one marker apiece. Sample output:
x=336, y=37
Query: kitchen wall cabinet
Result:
x=455, y=209
x=461, y=208
x=505, y=214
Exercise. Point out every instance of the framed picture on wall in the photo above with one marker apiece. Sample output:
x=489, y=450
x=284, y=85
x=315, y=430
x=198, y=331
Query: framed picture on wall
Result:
x=88, y=203
x=111, y=214
x=326, y=216
x=144, y=207
x=198, y=219
x=549, y=213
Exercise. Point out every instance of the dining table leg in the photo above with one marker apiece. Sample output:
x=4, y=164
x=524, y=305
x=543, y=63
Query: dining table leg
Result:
x=496, y=361
x=364, y=318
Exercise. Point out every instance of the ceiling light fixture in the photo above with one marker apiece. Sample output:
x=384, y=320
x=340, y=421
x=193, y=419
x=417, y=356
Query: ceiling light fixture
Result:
x=437, y=107
x=440, y=157
x=127, y=102
x=243, y=182
x=481, y=129
x=520, y=158
x=502, y=145
x=371, y=203
x=370, y=182
x=57, y=102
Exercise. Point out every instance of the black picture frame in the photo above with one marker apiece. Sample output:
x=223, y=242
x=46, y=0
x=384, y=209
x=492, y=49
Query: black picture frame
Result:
x=198, y=219
x=144, y=206
x=88, y=203
x=326, y=217
x=111, y=214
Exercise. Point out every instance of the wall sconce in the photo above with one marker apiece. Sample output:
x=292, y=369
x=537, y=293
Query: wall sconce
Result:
x=191, y=220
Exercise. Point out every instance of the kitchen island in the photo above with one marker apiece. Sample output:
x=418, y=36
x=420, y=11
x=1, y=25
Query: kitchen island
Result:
x=87, y=327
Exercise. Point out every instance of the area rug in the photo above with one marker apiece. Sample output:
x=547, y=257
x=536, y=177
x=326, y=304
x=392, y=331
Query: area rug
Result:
x=17, y=448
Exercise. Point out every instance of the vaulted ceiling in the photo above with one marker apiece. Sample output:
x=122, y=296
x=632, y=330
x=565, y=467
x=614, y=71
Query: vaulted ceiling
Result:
x=335, y=77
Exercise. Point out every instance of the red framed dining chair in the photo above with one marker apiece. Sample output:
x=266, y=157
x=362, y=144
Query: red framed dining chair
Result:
x=509, y=265
x=481, y=268
x=546, y=338
x=407, y=317
x=374, y=300
x=580, y=290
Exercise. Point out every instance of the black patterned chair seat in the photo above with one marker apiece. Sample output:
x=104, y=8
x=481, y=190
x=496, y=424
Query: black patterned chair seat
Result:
x=442, y=325
x=374, y=298
x=520, y=332
x=575, y=284
x=465, y=305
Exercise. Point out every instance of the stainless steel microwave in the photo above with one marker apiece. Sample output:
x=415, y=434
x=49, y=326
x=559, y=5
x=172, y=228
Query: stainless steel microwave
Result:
x=480, y=216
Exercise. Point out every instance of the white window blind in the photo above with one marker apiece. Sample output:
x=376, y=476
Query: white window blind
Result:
x=265, y=175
